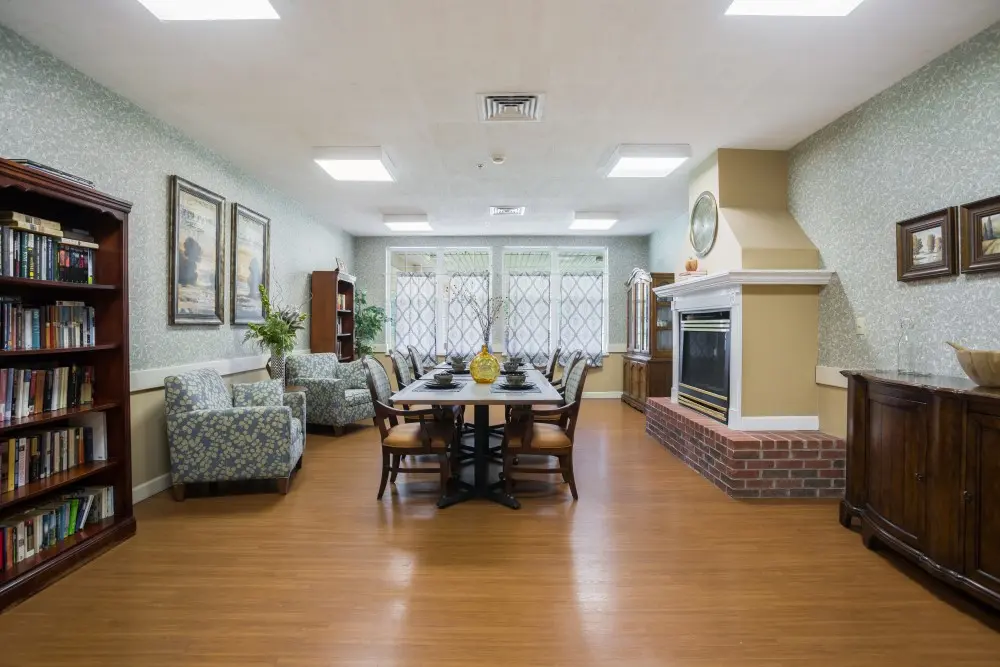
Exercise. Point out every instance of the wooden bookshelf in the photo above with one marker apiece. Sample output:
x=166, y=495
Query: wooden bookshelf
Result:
x=332, y=316
x=105, y=218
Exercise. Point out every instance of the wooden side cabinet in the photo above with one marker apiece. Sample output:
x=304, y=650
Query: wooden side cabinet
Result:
x=649, y=358
x=923, y=474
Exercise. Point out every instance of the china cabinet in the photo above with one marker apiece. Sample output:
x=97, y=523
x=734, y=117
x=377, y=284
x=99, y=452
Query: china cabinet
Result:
x=649, y=355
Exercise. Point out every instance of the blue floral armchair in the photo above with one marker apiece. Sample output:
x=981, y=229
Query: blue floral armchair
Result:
x=255, y=432
x=338, y=393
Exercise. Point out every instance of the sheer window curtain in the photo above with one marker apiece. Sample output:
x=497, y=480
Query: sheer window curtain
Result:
x=581, y=314
x=414, y=314
x=528, y=324
x=463, y=335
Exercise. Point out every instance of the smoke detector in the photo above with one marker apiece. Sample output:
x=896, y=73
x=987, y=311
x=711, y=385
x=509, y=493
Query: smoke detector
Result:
x=502, y=211
x=498, y=158
x=510, y=107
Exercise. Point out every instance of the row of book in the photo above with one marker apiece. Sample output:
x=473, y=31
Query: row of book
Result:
x=63, y=324
x=31, y=247
x=37, y=456
x=32, y=532
x=29, y=391
x=341, y=302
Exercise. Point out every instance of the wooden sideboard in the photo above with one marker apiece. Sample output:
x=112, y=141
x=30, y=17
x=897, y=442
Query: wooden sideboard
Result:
x=923, y=474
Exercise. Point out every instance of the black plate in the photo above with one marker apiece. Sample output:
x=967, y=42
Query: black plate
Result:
x=509, y=372
x=430, y=384
x=520, y=387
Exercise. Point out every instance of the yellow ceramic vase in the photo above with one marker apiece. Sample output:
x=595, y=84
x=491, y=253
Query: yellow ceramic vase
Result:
x=484, y=367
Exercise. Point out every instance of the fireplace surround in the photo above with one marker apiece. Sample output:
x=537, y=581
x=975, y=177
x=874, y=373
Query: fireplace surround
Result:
x=703, y=383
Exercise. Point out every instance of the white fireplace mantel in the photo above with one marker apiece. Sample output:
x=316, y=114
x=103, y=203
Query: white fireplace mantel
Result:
x=724, y=291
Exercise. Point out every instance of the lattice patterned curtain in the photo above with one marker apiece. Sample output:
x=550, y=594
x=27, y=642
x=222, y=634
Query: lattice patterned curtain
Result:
x=528, y=317
x=581, y=314
x=414, y=314
x=464, y=336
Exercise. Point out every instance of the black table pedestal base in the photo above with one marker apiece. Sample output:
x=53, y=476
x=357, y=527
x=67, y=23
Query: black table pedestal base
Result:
x=482, y=487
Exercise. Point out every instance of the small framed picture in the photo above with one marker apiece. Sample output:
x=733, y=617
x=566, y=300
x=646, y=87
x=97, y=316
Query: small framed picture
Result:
x=251, y=256
x=980, y=225
x=197, y=262
x=925, y=246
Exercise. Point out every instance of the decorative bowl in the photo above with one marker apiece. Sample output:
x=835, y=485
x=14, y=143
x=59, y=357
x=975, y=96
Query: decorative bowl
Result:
x=444, y=377
x=511, y=365
x=982, y=366
x=515, y=379
x=457, y=365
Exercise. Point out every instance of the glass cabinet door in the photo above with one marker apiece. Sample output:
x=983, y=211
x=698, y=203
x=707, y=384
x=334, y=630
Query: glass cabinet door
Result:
x=664, y=324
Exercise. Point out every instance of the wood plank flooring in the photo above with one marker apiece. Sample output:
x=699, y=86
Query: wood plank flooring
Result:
x=653, y=566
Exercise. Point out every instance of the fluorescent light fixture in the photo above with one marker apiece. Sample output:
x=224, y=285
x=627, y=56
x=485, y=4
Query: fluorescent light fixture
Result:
x=210, y=10
x=593, y=222
x=792, y=7
x=646, y=160
x=408, y=222
x=363, y=163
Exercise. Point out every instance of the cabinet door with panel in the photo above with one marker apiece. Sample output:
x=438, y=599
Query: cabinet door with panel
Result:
x=896, y=465
x=627, y=377
x=982, y=496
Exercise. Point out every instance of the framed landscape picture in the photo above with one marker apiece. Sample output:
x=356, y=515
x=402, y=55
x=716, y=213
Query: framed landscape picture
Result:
x=925, y=246
x=251, y=264
x=980, y=224
x=197, y=263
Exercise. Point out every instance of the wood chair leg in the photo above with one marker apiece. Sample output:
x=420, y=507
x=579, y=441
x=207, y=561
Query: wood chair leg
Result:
x=178, y=492
x=284, y=485
x=396, y=458
x=568, y=475
x=385, y=473
x=508, y=483
x=445, y=474
x=339, y=430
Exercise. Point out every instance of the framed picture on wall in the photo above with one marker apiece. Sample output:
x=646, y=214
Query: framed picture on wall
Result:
x=251, y=261
x=925, y=246
x=980, y=226
x=197, y=263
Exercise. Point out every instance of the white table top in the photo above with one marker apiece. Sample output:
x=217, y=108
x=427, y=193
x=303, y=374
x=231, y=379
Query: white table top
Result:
x=474, y=393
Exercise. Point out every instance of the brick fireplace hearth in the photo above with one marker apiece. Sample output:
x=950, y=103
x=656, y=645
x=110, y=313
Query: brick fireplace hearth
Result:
x=757, y=464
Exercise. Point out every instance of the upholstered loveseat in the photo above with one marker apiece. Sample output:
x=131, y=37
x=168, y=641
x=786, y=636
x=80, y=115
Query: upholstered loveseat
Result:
x=338, y=394
x=254, y=431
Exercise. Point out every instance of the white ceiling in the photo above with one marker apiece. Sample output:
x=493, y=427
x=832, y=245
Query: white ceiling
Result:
x=404, y=74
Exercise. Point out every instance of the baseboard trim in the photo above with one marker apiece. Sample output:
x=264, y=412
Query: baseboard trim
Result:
x=150, y=488
x=602, y=394
x=153, y=378
x=829, y=376
x=792, y=423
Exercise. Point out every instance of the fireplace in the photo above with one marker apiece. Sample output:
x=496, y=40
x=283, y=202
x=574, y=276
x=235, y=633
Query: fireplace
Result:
x=703, y=379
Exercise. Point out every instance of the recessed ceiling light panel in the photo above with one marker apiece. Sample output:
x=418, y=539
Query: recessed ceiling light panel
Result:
x=792, y=7
x=210, y=10
x=407, y=222
x=646, y=160
x=593, y=222
x=366, y=163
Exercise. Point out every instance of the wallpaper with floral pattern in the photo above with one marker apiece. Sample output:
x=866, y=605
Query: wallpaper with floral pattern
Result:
x=55, y=115
x=929, y=142
x=624, y=254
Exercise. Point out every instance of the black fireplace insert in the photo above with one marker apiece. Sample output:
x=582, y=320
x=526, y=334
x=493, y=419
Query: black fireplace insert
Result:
x=704, y=367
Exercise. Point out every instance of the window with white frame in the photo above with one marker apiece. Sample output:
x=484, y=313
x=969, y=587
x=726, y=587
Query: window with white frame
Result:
x=557, y=297
x=427, y=288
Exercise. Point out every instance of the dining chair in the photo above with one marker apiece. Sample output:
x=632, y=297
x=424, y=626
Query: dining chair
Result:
x=402, y=368
x=571, y=360
x=416, y=361
x=550, y=366
x=526, y=434
x=432, y=432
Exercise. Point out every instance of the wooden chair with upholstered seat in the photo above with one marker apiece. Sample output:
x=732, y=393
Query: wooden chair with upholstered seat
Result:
x=416, y=361
x=550, y=366
x=571, y=360
x=526, y=434
x=432, y=432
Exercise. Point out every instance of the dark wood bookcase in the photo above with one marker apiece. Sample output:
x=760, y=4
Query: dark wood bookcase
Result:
x=331, y=327
x=37, y=193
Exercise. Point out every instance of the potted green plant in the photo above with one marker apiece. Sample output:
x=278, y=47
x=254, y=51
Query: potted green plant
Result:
x=368, y=321
x=276, y=333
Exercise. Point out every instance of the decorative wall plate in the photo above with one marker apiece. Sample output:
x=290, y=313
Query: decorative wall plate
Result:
x=704, y=223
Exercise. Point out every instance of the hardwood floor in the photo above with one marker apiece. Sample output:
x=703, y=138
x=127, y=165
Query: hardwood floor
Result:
x=653, y=566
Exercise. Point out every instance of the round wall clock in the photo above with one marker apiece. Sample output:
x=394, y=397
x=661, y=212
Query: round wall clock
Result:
x=704, y=223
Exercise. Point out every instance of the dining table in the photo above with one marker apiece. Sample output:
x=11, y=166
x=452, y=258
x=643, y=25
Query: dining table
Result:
x=480, y=396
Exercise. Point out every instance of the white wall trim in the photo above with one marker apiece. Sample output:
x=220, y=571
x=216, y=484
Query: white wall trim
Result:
x=153, y=378
x=150, y=488
x=804, y=423
x=602, y=394
x=725, y=279
x=829, y=376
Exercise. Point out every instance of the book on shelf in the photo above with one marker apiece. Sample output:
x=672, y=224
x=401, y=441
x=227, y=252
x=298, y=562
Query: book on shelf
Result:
x=341, y=302
x=30, y=532
x=25, y=392
x=32, y=457
x=34, y=250
x=337, y=348
x=59, y=325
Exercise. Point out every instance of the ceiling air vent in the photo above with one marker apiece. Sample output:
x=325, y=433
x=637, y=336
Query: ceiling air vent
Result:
x=510, y=107
x=506, y=210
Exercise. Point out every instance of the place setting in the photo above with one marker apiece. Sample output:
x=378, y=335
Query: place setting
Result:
x=444, y=381
x=514, y=381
